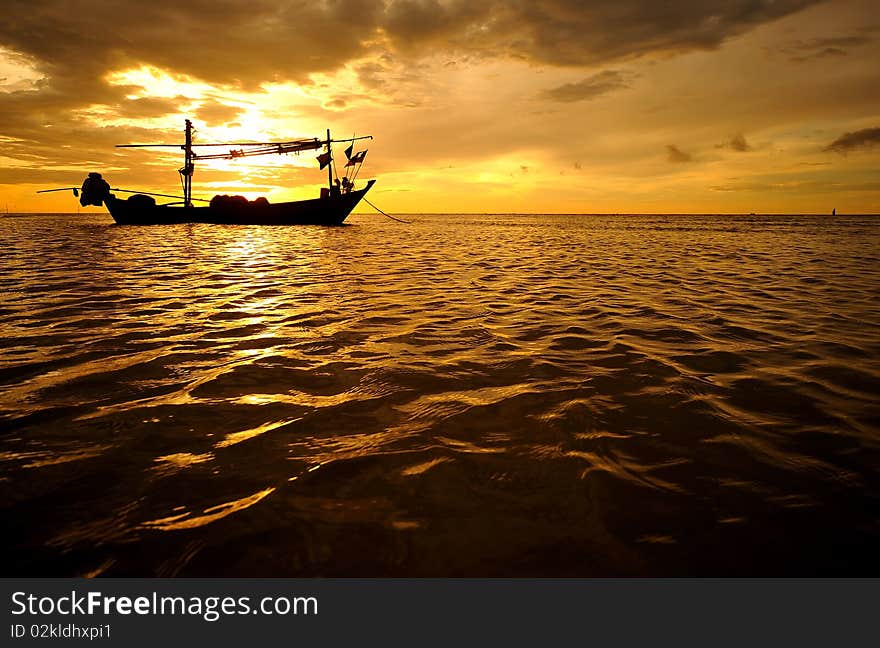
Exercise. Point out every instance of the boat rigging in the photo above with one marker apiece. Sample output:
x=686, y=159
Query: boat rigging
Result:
x=332, y=207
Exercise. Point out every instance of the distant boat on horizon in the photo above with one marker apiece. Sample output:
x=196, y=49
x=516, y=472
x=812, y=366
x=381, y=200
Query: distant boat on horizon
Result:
x=332, y=207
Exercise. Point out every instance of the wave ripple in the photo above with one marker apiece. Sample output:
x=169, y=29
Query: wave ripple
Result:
x=467, y=395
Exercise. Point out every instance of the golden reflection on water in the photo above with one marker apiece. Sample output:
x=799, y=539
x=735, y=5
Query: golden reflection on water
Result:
x=237, y=437
x=469, y=395
x=210, y=514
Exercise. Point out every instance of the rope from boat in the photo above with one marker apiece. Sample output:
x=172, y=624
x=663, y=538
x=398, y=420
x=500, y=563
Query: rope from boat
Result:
x=384, y=214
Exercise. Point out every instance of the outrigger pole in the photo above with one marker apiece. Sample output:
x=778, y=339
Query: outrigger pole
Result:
x=131, y=191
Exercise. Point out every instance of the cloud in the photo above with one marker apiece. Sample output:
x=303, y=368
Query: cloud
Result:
x=828, y=52
x=216, y=112
x=394, y=79
x=572, y=32
x=70, y=49
x=146, y=107
x=860, y=139
x=472, y=69
x=676, y=155
x=590, y=88
x=222, y=42
x=247, y=42
x=829, y=47
x=795, y=185
x=737, y=143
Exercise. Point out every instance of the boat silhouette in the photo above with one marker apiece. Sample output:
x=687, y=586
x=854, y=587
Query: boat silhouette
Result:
x=332, y=207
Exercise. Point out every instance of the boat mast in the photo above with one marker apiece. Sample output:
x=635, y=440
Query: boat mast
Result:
x=329, y=164
x=187, y=170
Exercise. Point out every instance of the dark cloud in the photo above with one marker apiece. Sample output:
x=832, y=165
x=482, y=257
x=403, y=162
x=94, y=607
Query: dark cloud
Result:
x=860, y=139
x=828, y=52
x=221, y=41
x=411, y=24
x=829, y=47
x=834, y=42
x=387, y=72
x=676, y=155
x=147, y=107
x=248, y=42
x=572, y=32
x=74, y=44
x=590, y=88
x=737, y=143
x=216, y=112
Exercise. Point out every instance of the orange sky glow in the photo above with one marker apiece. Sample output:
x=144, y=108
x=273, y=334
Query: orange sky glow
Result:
x=550, y=106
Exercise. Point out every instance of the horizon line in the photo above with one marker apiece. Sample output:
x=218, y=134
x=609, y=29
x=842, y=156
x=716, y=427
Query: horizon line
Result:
x=538, y=213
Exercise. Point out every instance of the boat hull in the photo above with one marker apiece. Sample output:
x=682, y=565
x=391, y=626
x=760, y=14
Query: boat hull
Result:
x=329, y=210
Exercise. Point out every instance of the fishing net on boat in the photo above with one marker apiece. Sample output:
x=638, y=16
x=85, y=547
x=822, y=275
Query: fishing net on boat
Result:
x=235, y=202
x=141, y=201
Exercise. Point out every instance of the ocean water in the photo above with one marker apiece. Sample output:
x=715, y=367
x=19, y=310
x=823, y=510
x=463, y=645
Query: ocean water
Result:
x=464, y=395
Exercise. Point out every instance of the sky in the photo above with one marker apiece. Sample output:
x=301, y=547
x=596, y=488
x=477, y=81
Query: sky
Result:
x=544, y=106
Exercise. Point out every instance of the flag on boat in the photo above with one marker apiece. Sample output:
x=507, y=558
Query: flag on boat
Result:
x=348, y=151
x=324, y=159
x=357, y=158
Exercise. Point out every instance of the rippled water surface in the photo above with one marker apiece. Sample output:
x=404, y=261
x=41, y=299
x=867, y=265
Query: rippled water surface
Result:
x=463, y=395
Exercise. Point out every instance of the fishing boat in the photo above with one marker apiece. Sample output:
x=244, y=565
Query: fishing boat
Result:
x=331, y=207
